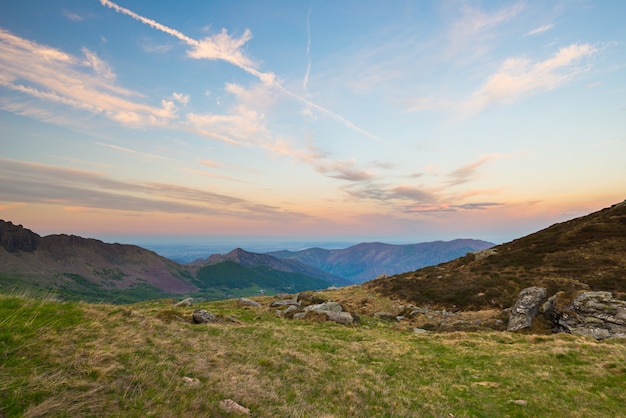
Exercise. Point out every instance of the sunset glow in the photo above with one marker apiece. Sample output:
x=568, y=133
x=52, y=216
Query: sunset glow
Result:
x=352, y=120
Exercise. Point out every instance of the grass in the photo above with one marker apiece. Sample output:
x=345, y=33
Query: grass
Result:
x=78, y=359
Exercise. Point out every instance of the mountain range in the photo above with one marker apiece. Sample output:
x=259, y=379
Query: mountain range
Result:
x=366, y=261
x=73, y=267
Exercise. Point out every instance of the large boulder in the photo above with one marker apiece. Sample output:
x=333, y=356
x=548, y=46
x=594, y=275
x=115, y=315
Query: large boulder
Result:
x=200, y=316
x=595, y=314
x=526, y=308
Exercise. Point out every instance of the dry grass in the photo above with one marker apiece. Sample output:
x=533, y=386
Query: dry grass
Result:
x=83, y=360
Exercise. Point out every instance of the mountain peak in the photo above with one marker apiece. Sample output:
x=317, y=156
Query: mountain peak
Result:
x=17, y=238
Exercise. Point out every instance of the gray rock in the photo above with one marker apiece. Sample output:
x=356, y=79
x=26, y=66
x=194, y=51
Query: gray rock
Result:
x=249, y=302
x=385, y=316
x=595, y=314
x=338, y=317
x=200, y=316
x=526, y=308
x=326, y=306
x=185, y=302
x=287, y=302
x=299, y=315
x=310, y=298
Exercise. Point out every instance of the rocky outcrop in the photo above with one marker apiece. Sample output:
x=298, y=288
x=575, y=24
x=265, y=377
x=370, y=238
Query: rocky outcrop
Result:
x=17, y=238
x=313, y=307
x=594, y=314
x=526, y=308
x=202, y=316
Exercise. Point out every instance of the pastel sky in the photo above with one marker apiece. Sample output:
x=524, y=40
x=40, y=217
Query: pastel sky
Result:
x=402, y=121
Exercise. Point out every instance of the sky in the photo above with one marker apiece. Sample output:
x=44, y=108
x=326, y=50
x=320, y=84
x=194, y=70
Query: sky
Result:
x=403, y=121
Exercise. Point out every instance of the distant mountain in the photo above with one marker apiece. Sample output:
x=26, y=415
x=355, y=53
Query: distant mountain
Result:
x=366, y=261
x=588, y=252
x=76, y=268
x=250, y=259
x=84, y=268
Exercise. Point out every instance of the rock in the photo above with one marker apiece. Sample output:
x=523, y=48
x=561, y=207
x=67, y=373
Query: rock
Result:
x=283, y=303
x=232, y=407
x=595, y=314
x=525, y=308
x=309, y=298
x=299, y=315
x=326, y=306
x=419, y=330
x=248, y=302
x=385, y=316
x=321, y=316
x=191, y=381
x=17, y=238
x=201, y=316
x=185, y=302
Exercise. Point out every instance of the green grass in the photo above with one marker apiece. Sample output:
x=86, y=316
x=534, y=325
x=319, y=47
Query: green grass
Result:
x=77, y=359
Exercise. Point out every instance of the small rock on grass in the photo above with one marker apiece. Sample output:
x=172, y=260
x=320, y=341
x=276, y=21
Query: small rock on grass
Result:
x=230, y=406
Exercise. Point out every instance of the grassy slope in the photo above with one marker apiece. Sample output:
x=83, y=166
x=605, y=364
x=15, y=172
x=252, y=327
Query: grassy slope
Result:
x=76, y=359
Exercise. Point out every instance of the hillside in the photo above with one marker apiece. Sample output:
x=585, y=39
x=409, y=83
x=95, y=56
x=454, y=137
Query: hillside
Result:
x=148, y=359
x=84, y=268
x=588, y=252
x=250, y=259
x=366, y=261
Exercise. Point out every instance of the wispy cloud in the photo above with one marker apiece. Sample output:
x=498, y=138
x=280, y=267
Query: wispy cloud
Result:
x=467, y=33
x=518, y=77
x=469, y=171
x=82, y=83
x=74, y=17
x=25, y=182
x=539, y=29
x=224, y=47
x=134, y=152
x=305, y=81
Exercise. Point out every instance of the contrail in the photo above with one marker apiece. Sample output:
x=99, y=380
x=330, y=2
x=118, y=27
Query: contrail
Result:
x=268, y=78
x=305, y=82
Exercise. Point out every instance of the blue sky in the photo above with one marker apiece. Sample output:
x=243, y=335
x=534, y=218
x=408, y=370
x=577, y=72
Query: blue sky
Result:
x=355, y=120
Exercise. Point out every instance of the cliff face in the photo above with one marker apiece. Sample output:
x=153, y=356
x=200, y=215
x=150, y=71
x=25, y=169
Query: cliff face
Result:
x=17, y=238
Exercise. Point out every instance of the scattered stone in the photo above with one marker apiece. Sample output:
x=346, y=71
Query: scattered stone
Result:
x=526, y=308
x=381, y=277
x=385, y=316
x=326, y=306
x=185, y=302
x=321, y=316
x=486, y=384
x=309, y=298
x=479, y=255
x=232, y=407
x=520, y=402
x=419, y=330
x=299, y=315
x=201, y=316
x=248, y=302
x=282, y=303
x=191, y=381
